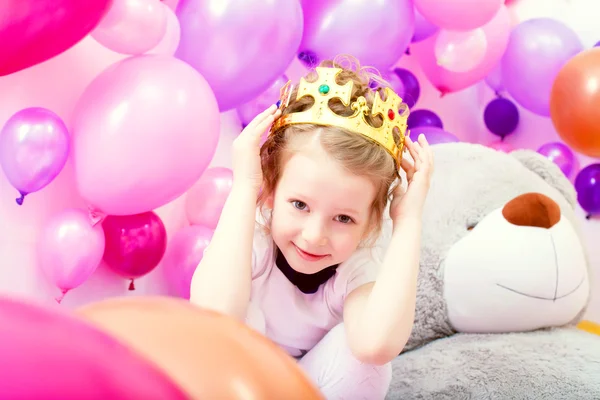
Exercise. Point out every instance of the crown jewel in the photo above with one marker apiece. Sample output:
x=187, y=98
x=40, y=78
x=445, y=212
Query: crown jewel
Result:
x=393, y=112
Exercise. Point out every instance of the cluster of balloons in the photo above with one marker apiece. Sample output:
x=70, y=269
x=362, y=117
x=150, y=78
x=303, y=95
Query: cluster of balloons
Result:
x=140, y=348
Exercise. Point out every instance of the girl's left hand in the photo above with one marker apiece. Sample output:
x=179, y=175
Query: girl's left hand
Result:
x=418, y=174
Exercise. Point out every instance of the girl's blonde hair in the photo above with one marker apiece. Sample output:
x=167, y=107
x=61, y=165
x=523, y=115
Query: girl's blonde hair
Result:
x=354, y=152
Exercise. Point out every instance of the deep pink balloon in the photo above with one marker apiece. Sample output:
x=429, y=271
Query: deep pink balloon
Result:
x=34, y=147
x=377, y=33
x=561, y=155
x=49, y=354
x=239, y=46
x=537, y=50
x=205, y=200
x=70, y=249
x=144, y=131
x=246, y=112
x=33, y=31
x=184, y=253
x=135, y=244
x=497, y=32
x=458, y=15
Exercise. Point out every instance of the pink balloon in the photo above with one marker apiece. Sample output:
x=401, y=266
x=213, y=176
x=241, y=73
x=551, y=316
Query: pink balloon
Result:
x=239, y=46
x=144, y=131
x=135, y=244
x=170, y=41
x=497, y=33
x=205, y=200
x=132, y=26
x=184, y=253
x=459, y=15
x=34, y=147
x=460, y=51
x=70, y=249
x=33, y=31
x=501, y=146
x=48, y=354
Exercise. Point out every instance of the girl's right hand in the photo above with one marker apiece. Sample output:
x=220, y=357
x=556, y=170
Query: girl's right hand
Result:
x=246, y=149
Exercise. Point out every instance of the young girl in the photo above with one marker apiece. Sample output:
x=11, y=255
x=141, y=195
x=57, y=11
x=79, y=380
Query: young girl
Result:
x=315, y=274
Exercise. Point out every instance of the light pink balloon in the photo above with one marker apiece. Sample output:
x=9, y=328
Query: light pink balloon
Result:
x=144, y=131
x=70, y=249
x=132, y=26
x=460, y=15
x=170, y=41
x=460, y=51
x=501, y=146
x=205, y=200
x=497, y=33
x=184, y=253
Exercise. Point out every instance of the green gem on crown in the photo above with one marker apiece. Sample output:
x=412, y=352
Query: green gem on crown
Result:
x=324, y=89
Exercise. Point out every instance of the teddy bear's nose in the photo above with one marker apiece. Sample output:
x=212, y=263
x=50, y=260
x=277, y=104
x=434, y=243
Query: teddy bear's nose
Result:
x=532, y=209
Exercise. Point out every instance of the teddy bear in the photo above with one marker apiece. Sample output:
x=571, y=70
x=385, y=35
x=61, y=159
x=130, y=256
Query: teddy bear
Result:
x=504, y=278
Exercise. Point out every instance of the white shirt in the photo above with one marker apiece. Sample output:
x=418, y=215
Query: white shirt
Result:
x=295, y=320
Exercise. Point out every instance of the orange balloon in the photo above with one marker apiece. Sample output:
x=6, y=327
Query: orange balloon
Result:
x=575, y=102
x=209, y=355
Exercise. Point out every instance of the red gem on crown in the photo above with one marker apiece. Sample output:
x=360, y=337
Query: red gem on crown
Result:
x=391, y=114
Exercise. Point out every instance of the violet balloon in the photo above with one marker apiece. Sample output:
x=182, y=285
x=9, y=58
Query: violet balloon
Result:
x=423, y=28
x=135, y=244
x=49, y=354
x=587, y=184
x=247, y=112
x=144, y=131
x=412, y=88
x=34, y=147
x=420, y=118
x=239, y=46
x=501, y=146
x=561, y=155
x=501, y=116
x=206, y=199
x=70, y=249
x=537, y=50
x=333, y=27
x=433, y=134
x=184, y=253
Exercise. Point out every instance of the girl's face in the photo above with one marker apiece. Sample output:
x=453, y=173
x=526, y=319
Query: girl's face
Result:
x=321, y=212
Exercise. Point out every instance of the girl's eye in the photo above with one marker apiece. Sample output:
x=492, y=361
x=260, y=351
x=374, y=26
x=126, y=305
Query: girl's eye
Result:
x=300, y=205
x=344, y=219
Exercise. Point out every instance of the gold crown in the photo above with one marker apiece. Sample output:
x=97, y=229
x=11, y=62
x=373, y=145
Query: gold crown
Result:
x=393, y=112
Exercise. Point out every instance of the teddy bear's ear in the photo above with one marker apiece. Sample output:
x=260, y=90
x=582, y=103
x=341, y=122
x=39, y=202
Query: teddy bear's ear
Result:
x=548, y=171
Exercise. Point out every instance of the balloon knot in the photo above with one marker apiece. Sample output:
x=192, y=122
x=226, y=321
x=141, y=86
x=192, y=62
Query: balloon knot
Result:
x=96, y=216
x=60, y=298
x=131, y=285
x=407, y=51
x=20, y=200
x=588, y=217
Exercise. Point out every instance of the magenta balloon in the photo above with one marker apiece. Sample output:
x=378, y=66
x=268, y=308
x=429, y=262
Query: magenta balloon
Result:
x=49, y=354
x=135, y=244
x=537, y=50
x=184, y=253
x=497, y=32
x=205, y=200
x=239, y=46
x=70, y=248
x=377, y=33
x=144, y=131
x=246, y=112
x=34, y=147
x=33, y=31
x=458, y=15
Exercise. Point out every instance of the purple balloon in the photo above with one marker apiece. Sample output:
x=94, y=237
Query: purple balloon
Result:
x=597, y=44
x=412, y=89
x=247, y=112
x=561, y=155
x=494, y=79
x=240, y=46
x=501, y=116
x=333, y=27
x=34, y=147
x=537, y=50
x=587, y=185
x=424, y=117
x=433, y=134
x=423, y=28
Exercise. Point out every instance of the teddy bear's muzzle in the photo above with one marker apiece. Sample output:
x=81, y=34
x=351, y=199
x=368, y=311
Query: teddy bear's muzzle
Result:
x=532, y=209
